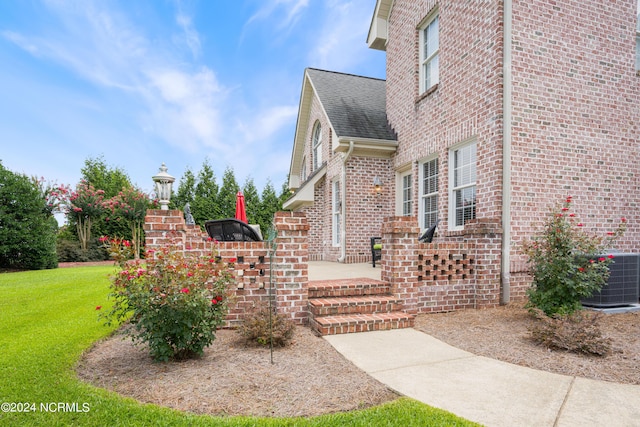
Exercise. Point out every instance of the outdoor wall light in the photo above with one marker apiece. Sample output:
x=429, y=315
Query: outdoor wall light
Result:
x=163, y=182
x=377, y=184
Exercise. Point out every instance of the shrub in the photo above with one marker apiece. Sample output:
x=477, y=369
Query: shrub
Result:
x=120, y=250
x=255, y=327
x=566, y=263
x=176, y=301
x=27, y=229
x=578, y=332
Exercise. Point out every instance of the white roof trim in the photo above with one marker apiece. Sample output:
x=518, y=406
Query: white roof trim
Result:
x=305, y=194
x=378, y=29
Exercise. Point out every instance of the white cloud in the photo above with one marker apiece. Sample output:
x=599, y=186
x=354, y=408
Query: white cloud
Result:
x=342, y=43
x=190, y=36
x=101, y=45
x=283, y=14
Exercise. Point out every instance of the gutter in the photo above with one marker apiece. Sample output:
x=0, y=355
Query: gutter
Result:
x=505, y=264
x=343, y=204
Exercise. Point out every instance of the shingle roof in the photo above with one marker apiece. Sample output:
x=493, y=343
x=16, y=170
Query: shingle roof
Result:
x=355, y=105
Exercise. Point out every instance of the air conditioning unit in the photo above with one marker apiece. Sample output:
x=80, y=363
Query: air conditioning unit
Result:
x=623, y=285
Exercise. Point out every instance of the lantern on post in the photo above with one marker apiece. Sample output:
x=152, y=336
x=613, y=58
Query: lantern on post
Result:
x=163, y=182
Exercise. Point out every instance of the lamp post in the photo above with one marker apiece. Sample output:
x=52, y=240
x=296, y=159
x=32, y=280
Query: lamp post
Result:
x=163, y=182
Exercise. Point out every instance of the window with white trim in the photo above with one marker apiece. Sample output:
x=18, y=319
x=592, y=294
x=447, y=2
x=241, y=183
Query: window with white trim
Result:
x=317, y=146
x=428, y=190
x=406, y=188
x=429, y=53
x=336, y=217
x=462, y=183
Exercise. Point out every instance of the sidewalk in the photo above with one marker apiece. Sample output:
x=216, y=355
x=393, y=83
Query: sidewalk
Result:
x=477, y=388
x=484, y=390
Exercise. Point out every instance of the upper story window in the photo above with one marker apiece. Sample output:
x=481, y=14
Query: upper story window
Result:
x=317, y=146
x=462, y=184
x=429, y=53
x=428, y=193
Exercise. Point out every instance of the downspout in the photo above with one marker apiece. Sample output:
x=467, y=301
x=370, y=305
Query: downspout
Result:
x=505, y=268
x=343, y=204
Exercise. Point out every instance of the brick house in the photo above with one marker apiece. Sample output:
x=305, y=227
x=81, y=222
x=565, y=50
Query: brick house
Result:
x=494, y=110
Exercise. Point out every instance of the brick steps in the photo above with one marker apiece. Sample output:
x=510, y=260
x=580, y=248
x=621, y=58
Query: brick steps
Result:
x=354, y=305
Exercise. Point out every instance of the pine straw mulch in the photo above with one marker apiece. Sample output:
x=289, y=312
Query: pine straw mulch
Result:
x=307, y=378
x=502, y=333
x=311, y=378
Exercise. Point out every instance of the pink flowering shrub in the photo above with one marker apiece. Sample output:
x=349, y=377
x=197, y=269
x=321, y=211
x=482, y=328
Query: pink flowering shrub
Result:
x=566, y=262
x=175, y=301
x=85, y=205
x=120, y=250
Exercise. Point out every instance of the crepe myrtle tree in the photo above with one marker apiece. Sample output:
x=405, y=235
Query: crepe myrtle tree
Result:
x=85, y=205
x=130, y=207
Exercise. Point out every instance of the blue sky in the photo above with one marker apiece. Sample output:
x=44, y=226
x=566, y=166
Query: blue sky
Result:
x=144, y=82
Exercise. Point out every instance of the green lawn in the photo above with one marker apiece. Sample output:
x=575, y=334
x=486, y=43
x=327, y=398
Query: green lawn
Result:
x=48, y=318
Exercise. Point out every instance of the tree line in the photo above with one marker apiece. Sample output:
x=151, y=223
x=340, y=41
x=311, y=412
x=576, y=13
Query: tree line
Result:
x=106, y=203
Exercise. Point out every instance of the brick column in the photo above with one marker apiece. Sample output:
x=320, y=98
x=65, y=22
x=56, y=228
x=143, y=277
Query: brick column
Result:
x=399, y=259
x=484, y=236
x=291, y=266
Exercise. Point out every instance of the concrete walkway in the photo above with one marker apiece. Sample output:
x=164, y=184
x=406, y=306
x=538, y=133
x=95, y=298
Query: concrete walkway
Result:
x=480, y=389
x=484, y=390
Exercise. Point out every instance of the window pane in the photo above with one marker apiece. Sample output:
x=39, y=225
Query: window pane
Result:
x=406, y=195
x=465, y=205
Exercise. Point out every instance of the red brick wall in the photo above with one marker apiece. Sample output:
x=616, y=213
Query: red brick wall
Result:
x=576, y=110
x=459, y=273
x=252, y=266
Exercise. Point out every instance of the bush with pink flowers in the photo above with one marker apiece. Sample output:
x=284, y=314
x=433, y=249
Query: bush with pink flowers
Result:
x=175, y=301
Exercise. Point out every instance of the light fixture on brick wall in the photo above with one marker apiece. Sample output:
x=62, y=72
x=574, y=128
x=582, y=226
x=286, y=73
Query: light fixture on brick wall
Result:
x=377, y=184
x=163, y=182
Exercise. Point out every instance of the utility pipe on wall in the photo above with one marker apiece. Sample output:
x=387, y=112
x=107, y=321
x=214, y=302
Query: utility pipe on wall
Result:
x=505, y=267
x=343, y=204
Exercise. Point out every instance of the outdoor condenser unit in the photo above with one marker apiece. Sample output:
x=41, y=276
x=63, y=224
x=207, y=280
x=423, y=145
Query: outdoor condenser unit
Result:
x=623, y=285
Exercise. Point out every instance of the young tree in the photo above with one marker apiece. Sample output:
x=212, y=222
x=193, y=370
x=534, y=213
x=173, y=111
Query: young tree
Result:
x=106, y=178
x=86, y=205
x=269, y=205
x=251, y=201
x=130, y=206
x=27, y=230
x=227, y=194
x=205, y=201
x=186, y=191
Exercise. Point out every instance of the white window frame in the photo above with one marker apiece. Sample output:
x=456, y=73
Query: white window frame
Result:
x=428, y=191
x=336, y=213
x=429, y=45
x=462, y=179
x=404, y=194
x=316, y=146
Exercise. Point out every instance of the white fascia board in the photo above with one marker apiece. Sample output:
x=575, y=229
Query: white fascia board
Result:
x=378, y=29
x=305, y=194
x=367, y=146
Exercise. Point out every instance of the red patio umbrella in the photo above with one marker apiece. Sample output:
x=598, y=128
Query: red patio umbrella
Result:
x=241, y=212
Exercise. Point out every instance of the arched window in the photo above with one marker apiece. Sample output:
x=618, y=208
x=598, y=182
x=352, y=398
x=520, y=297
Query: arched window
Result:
x=317, y=146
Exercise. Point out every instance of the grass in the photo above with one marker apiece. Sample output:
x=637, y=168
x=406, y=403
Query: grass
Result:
x=48, y=319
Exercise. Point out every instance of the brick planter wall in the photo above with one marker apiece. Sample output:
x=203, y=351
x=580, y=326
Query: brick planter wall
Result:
x=252, y=261
x=460, y=272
